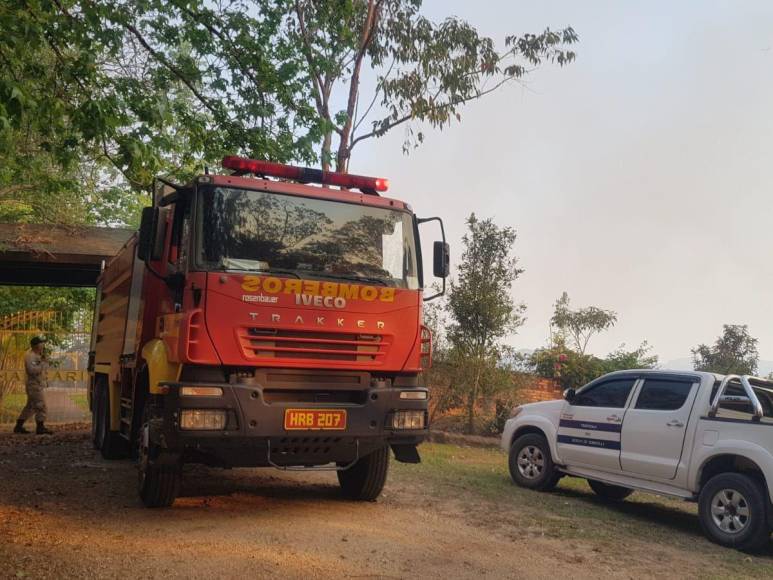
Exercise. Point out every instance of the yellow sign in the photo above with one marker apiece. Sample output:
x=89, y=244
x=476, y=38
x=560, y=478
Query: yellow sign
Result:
x=272, y=285
x=52, y=375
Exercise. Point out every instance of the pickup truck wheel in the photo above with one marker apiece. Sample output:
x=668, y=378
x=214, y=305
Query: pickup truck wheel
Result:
x=531, y=464
x=733, y=513
x=366, y=478
x=159, y=475
x=609, y=492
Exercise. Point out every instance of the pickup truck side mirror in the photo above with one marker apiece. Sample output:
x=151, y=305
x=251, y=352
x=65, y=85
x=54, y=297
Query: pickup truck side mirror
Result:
x=441, y=260
x=569, y=395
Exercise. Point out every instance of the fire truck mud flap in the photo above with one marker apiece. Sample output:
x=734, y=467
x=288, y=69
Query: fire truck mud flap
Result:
x=406, y=453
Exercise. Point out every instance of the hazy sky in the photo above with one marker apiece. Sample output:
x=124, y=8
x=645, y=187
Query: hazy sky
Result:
x=639, y=178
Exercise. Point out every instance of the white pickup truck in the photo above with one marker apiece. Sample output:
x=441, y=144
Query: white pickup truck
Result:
x=693, y=435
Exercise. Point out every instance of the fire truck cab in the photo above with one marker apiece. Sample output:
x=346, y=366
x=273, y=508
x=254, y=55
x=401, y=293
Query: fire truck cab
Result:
x=264, y=318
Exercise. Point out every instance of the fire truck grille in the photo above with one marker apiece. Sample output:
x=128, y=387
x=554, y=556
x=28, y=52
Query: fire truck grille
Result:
x=280, y=344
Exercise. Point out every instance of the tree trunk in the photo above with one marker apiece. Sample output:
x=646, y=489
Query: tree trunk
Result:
x=344, y=153
x=471, y=400
x=327, y=151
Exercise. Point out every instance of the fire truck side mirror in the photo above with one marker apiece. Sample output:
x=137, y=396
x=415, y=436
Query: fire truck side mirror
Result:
x=148, y=226
x=442, y=260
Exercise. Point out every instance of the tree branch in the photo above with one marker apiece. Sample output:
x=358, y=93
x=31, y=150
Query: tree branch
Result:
x=11, y=189
x=177, y=72
x=226, y=39
x=315, y=75
x=376, y=93
x=382, y=130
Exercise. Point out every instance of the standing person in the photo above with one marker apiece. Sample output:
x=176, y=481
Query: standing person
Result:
x=36, y=367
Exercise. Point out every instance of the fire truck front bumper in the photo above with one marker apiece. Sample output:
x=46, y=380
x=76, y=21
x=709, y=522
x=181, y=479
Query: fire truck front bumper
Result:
x=235, y=425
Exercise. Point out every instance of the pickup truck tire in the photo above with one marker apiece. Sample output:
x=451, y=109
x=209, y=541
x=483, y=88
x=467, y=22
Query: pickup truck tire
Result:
x=366, y=478
x=608, y=491
x=531, y=464
x=732, y=508
x=159, y=473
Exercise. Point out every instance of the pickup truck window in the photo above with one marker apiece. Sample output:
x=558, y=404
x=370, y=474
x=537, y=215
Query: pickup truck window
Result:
x=610, y=394
x=736, y=405
x=663, y=395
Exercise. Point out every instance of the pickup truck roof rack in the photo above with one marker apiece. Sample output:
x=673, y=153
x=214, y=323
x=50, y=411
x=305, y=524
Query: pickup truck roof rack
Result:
x=746, y=383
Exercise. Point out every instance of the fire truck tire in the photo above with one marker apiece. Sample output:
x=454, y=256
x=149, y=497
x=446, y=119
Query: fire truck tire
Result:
x=109, y=443
x=159, y=475
x=365, y=480
x=159, y=485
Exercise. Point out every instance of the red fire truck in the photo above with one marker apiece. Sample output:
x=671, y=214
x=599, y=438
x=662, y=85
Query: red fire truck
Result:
x=270, y=317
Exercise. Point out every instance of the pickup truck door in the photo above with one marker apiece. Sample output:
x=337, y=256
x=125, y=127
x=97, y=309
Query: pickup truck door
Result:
x=589, y=427
x=655, y=426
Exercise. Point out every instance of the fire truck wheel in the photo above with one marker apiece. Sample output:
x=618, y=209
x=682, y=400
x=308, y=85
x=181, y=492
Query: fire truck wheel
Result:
x=366, y=478
x=110, y=443
x=159, y=474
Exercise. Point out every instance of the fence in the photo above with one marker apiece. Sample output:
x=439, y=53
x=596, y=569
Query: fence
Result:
x=69, y=336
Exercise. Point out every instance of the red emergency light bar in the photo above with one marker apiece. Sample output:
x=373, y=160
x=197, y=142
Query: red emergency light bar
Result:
x=305, y=174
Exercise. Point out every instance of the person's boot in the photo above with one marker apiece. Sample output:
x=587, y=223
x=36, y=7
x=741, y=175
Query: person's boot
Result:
x=41, y=430
x=20, y=428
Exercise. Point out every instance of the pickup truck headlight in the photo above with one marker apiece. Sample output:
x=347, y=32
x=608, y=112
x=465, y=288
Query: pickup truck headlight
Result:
x=516, y=411
x=202, y=419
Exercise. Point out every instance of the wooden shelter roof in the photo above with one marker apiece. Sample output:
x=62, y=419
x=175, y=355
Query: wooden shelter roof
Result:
x=49, y=255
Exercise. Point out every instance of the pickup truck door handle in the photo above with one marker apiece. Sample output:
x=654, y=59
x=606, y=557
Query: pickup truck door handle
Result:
x=614, y=418
x=675, y=423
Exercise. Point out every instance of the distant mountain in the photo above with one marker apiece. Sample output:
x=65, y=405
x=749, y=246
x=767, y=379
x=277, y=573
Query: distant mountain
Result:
x=764, y=367
x=678, y=364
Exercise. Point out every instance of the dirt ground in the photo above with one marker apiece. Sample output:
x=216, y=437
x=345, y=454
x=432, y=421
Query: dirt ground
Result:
x=65, y=512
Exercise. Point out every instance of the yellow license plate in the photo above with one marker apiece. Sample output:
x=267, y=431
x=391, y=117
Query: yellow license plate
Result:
x=315, y=419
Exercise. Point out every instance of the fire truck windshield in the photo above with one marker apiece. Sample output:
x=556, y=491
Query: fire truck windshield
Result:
x=257, y=231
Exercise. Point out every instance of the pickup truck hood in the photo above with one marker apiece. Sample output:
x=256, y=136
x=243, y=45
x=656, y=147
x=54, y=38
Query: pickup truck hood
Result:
x=551, y=409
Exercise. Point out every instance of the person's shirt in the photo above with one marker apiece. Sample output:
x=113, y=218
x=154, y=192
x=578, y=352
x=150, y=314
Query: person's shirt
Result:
x=36, y=367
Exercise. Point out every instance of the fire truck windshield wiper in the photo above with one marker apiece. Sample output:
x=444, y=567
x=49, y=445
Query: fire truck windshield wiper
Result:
x=278, y=271
x=244, y=268
x=355, y=278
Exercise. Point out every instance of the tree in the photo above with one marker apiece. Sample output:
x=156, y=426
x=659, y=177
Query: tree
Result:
x=581, y=324
x=569, y=367
x=166, y=86
x=575, y=369
x=481, y=308
x=733, y=353
x=638, y=358
x=425, y=71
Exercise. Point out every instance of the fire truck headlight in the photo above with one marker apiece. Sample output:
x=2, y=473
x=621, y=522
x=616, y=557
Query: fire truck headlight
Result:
x=408, y=420
x=202, y=419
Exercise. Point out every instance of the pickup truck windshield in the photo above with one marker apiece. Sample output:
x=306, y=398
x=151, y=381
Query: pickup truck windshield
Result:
x=258, y=231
